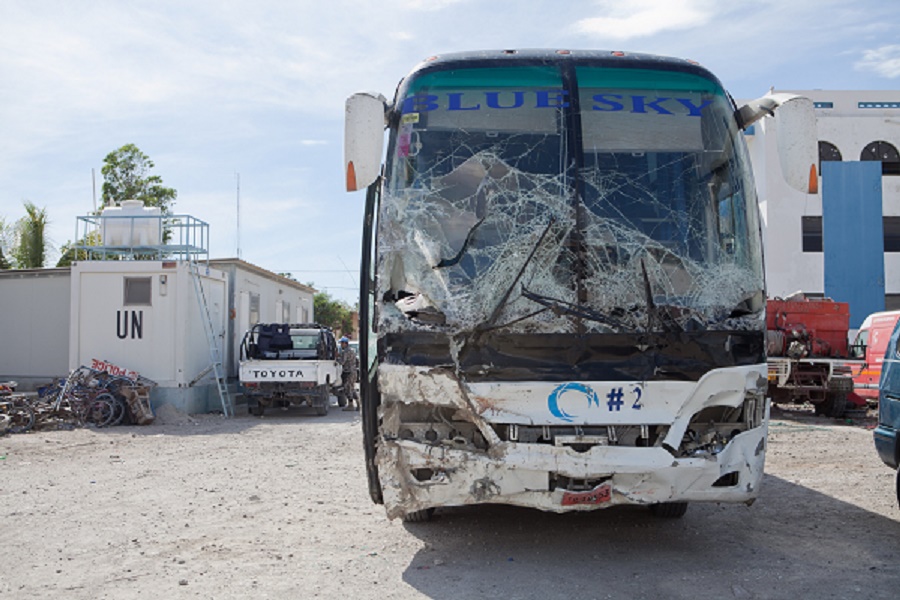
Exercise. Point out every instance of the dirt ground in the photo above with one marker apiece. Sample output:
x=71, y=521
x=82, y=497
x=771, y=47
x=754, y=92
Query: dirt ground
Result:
x=203, y=507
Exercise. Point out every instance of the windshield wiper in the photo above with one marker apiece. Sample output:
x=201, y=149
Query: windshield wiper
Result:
x=561, y=307
x=661, y=315
x=648, y=296
x=534, y=249
x=449, y=262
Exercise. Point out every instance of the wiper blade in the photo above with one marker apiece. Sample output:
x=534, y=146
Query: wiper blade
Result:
x=654, y=315
x=449, y=262
x=534, y=249
x=561, y=307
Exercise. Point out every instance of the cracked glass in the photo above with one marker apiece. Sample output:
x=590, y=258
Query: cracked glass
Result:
x=606, y=200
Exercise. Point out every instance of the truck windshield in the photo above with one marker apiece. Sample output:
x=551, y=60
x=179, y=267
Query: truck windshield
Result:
x=525, y=200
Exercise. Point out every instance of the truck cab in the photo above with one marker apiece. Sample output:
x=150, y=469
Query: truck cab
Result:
x=870, y=344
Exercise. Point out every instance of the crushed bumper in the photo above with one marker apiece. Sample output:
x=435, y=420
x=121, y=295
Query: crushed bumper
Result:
x=417, y=476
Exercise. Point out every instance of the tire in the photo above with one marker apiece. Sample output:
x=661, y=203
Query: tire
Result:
x=119, y=410
x=257, y=410
x=419, y=516
x=323, y=401
x=834, y=406
x=669, y=510
x=101, y=410
x=342, y=399
x=369, y=416
x=21, y=418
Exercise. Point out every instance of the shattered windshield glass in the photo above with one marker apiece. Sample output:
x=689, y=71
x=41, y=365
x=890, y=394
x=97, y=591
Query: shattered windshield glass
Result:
x=513, y=202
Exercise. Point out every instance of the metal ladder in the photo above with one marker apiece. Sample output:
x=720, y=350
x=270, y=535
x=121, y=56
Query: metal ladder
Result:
x=214, y=355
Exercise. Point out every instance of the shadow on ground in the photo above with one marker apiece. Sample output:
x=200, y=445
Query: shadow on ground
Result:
x=792, y=543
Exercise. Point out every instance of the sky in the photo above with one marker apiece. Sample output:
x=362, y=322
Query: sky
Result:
x=241, y=103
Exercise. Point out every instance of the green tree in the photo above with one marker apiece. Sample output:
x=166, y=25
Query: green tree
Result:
x=5, y=243
x=69, y=254
x=333, y=313
x=126, y=176
x=30, y=250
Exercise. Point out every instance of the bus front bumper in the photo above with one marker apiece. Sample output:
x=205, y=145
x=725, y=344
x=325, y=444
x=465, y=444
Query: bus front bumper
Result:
x=417, y=476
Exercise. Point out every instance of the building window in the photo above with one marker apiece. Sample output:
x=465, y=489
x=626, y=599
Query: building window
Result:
x=285, y=312
x=828, y=152
x=138, y=291
x=878, y=104
x=812, y=234
x=891, y=234
x=880, y=150
x=823, y=104
x=886, y=153
x=254, y=308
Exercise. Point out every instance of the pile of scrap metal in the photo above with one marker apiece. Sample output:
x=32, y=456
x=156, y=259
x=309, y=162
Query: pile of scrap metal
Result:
x=86, y=397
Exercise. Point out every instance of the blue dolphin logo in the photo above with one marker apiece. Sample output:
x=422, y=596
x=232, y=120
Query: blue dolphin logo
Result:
x=553, y=399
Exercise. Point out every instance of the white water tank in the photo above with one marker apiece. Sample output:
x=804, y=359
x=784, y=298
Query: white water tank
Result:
x=131, y=224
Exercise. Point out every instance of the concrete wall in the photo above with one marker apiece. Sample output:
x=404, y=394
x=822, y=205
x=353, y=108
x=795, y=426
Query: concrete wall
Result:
x=34, y=326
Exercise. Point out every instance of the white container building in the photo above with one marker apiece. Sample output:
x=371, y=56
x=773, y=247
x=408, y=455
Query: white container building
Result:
x=145, y=316
x=34, y=325
x=256, y=295
x=131, y=302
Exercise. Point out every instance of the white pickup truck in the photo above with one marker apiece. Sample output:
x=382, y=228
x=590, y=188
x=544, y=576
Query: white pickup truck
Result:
x=286, y=364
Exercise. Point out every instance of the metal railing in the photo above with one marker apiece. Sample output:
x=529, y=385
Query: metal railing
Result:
x=141, y=237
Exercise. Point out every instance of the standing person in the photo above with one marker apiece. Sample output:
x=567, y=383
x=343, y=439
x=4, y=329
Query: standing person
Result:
x=347, y=359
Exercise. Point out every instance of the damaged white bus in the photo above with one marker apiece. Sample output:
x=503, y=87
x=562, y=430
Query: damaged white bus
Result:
x=562, y=291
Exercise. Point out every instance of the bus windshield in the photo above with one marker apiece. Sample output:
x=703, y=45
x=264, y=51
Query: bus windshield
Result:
x=606, y=200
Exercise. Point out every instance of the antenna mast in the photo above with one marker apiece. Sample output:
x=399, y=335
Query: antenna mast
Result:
x=237, y=177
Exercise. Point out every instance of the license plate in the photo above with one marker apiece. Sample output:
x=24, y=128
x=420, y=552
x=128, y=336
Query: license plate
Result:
x=600, y=494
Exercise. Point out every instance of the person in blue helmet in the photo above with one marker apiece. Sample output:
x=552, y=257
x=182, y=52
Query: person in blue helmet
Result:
x=347, y=360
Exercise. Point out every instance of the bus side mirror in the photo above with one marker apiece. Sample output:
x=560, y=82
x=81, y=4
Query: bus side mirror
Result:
x=364, y=123
x=795, y=124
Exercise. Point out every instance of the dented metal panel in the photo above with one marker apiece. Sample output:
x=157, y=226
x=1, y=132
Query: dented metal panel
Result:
x=421, y=470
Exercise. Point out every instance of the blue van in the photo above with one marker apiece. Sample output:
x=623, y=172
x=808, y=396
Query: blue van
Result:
x=887, y=434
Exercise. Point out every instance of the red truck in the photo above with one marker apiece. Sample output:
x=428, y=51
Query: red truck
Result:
x=808, y=355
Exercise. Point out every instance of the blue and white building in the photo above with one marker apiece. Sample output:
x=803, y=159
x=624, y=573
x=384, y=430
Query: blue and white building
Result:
x=843, y=242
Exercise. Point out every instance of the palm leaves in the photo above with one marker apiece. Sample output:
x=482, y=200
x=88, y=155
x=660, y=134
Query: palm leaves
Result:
x=24, y=245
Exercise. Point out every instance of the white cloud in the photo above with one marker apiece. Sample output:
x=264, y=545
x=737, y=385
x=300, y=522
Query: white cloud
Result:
x=884, y=61
x=643, y=18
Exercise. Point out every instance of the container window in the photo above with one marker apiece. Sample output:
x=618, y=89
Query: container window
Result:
x=138, y=291
x=254, y=308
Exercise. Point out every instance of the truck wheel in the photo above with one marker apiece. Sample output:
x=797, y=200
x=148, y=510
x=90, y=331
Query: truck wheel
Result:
x=341, y=398
x=321, y=401
x=834, y=405
x=419, y=516
x=669, y=510
x=257, y=410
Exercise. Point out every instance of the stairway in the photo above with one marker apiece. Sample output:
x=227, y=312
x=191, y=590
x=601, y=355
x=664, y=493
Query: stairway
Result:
x=214, y=354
